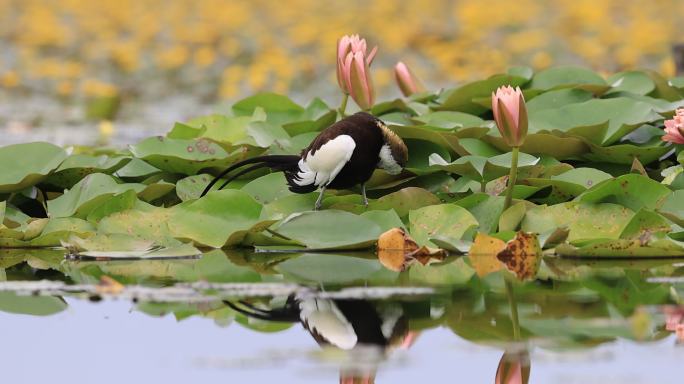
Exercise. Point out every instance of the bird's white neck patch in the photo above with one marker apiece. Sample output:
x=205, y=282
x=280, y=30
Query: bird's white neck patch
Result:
x=387, y=161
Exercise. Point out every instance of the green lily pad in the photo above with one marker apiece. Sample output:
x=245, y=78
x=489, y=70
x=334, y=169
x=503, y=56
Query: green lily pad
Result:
x=330, y=229
x=24, y=165
x=449, y=119
x=566, y=76
x=461, y=99
x=221, y=218
x=87, y=195
x=584, y=221
x=444, y=220
x=558, y=98
x=405, y=200
x=76, y=167
x=672, y=207
x=279, y=108
x=631, y=81
x=117, y=203
x=187, y=156
x=632, y=191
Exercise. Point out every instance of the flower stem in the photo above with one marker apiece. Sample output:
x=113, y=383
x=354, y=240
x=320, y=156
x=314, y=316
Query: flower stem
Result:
x=512, y=177
x=343, y=106
x=514, y=309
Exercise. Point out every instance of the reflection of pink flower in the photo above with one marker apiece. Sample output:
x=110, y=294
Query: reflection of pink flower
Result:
x=514, y=368
x=674, y=128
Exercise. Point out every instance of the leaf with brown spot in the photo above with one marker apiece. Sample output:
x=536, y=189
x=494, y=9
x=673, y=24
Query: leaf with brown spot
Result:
x=397, y=250
x=483, y=254
x=522, y=255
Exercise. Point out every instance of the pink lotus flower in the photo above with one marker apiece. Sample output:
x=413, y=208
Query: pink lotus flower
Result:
x=407, y=81
x=510, y=114
x=514, y=368
x=674, y=128
x=353, y=73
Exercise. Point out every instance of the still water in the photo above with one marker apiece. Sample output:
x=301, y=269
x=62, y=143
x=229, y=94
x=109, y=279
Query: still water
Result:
x=578, y=322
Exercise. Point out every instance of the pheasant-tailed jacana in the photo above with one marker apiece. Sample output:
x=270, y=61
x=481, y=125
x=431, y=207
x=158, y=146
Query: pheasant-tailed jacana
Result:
x=340, y=157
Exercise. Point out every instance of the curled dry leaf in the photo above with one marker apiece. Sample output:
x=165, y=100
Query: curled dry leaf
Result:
x=522, y=255
x=483, y=254
x=109, y=286
x=397, y=250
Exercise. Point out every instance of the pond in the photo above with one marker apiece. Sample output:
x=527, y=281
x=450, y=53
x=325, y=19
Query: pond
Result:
x=203, y=319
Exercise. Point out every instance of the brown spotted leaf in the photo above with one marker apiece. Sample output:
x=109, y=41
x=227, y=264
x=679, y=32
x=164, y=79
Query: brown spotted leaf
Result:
x=522, y=255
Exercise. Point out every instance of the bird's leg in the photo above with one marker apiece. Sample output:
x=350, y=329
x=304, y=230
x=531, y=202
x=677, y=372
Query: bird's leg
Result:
x=363, y=193
x=320, y=199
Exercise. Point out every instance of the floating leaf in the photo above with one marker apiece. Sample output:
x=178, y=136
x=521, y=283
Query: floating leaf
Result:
x=76, y=167
x=397, y=250
x=565, y=76
x=584, y=221
x=461, y=99
x=631, y=190
x=87, y=195
x=448, y=220
x=483, y=253
x=24, y=165
x=218, y=219
x=522, y=255
x=330, y=229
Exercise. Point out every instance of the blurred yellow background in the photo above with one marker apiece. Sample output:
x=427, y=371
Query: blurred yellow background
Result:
x=213, y=49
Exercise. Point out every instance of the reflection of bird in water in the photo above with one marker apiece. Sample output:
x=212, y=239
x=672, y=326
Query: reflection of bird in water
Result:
x=364, y=329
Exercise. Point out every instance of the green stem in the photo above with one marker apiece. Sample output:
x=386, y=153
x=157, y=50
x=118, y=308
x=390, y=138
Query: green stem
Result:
x=514, y=310
x=343, y=106
x=483, y=186
x=512, y=177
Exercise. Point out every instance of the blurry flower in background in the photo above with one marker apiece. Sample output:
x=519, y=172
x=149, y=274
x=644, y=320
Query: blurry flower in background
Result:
x=406, y=80
x=674, y=128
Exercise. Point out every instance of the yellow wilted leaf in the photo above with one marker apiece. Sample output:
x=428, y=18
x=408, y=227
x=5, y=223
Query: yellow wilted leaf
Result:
x=397, y=250
x=483, y=254
x=522, y=255
x=109, y=286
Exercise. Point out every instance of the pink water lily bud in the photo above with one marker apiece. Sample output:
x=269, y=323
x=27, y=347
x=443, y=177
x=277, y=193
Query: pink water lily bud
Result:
x=351, y=44
x=510, y=114
x=514, y=368
x=407, y=80
x=674, y=128
x=357, y=80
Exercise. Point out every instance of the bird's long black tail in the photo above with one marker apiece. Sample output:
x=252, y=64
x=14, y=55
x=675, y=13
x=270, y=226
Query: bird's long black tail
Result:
x=288, y=314
x=283, y=163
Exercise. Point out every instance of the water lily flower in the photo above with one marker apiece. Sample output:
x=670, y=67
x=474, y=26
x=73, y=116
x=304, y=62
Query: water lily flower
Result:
x=674, y=128
x=407, y=80
x=514, y=368
x=353, y=71
x=510, y=114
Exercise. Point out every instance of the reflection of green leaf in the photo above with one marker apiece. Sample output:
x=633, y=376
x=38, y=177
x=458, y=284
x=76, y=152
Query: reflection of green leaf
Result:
x=31, y=305
x=214, y=266
x=23, y=165
x=330, y=268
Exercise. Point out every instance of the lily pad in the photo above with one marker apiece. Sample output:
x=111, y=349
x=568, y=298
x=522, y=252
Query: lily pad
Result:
x=24, y=165
x=330, y=229
x=87, y=195
x=632, y=191
x=444, y=220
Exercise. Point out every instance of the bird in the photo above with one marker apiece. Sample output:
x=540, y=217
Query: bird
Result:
x=342, y=156
x=342, y=323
